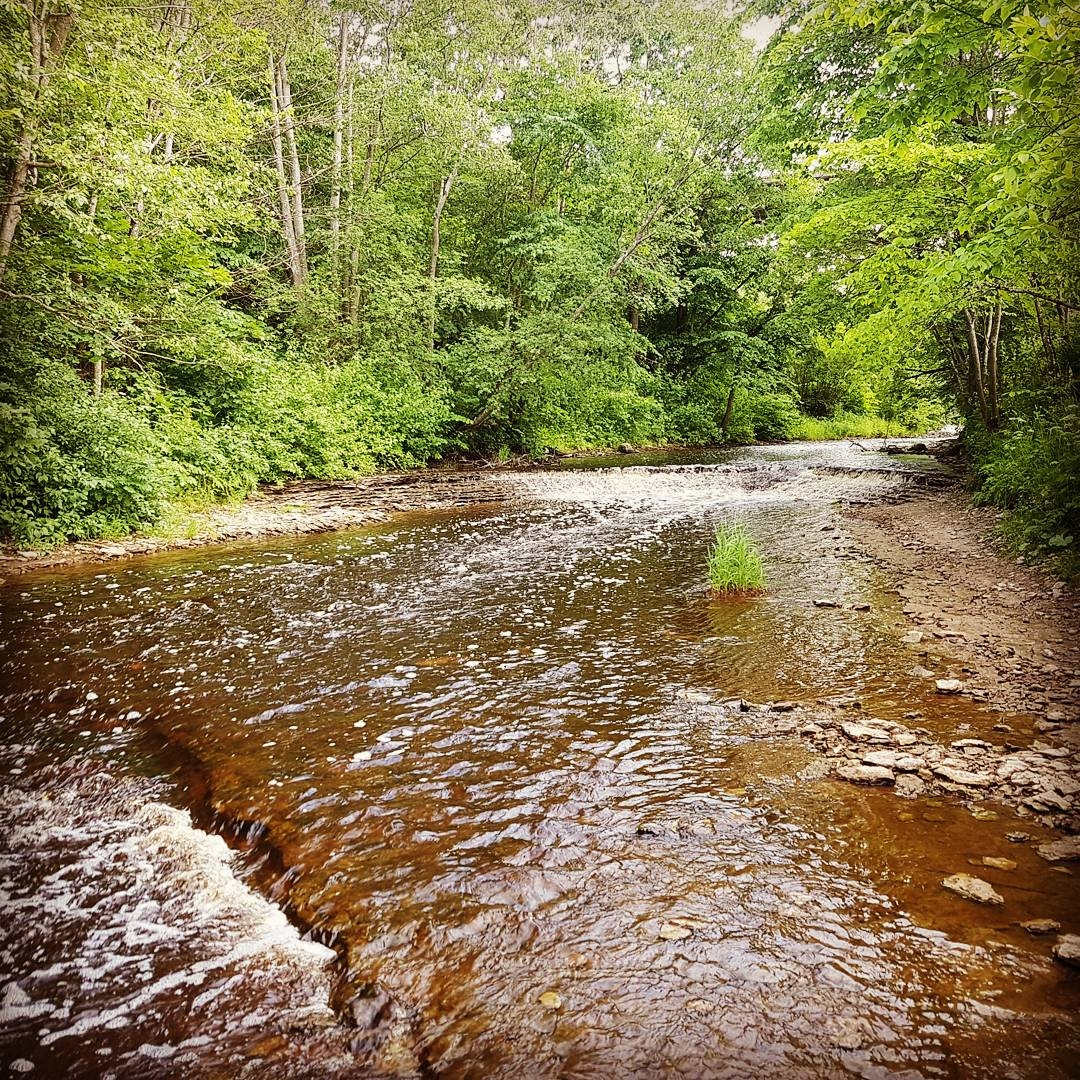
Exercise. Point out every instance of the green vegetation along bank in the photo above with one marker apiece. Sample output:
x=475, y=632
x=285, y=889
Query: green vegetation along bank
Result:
x=247, y=240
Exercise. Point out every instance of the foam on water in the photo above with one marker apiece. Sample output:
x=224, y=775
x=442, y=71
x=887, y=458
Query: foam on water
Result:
x=122, y=920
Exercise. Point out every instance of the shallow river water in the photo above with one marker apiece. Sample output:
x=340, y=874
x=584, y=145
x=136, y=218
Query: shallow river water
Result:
x=474, y=751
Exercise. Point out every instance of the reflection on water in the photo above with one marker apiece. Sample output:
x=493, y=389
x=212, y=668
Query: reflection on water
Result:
x=477, y=743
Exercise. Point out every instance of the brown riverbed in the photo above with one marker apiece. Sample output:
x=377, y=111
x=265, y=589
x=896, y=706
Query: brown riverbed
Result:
x=484, y=750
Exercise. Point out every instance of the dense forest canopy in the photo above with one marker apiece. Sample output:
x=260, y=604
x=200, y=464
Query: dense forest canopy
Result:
x=247, y=240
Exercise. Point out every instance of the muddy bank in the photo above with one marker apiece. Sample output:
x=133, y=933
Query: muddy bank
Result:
x=1005, y=631
x=976, y=624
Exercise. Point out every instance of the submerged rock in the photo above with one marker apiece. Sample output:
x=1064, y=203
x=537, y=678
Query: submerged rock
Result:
x=1063, y=850
x=949, y=686
x=866, y=774
x=1067, y=949
x=1041, y=926
x=973, y=888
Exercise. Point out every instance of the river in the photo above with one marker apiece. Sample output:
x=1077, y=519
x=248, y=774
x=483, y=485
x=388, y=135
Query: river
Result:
x=475, y=755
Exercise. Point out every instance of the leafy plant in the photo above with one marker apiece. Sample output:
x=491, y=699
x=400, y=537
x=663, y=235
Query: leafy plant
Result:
x=734, y=565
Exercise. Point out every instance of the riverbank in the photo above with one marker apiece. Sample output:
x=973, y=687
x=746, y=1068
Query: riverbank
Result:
x=315, y=506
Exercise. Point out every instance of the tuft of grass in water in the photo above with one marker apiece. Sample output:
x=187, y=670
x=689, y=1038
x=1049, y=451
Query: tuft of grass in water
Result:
x=734, y=565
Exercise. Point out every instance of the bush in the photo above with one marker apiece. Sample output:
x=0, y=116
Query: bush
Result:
x=74, y=466
x=1032, y=469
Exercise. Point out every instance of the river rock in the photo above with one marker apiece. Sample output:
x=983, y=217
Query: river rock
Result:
x=863, y=733
x=1041, y=926
x=973, y=888
x=961, y=776
x=909, y=786
x=672, y=932
x=1067, y=949
x=885, y=758
x=996, y=863
x=866, y=774
x=948, y=686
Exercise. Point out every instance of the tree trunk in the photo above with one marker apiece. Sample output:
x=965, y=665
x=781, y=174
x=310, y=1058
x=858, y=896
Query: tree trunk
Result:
x=296, y=189
x=976, y=383
x=729, y=408
x=339, y=129
x=293, y=262
x=48, y=36
x=445, y=188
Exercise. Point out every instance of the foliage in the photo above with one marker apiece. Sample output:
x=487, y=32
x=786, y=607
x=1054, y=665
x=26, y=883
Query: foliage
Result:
x=734, y=565
x=241, y=242
x=1033, y=470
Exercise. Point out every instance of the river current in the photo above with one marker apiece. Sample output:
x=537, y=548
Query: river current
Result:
x=474, y=755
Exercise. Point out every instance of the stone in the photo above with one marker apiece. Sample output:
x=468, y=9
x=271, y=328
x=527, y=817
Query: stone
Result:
x=866, y=774
x=826, y=604
x=1041, y=926
x=672, y=932
x=550, y=1000
x=863, y=733
x=921, y=673
x=996, y=863
x=973, y=888
x=912, y=637
x=1067, y=949
x=781, y=706
x=909, y=786
x=961, y=776
x=948, y=686
x=885, y=758
x=1018, y=837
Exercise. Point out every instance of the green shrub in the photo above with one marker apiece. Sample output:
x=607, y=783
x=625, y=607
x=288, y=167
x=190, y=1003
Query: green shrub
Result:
x=734, y=565
x=74, y=466
x=1032, y=470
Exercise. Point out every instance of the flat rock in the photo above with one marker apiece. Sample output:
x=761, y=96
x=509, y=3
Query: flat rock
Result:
x=1018, y=837
x=912, y=637
x=826, y=604
x=973, y=888
x=948, y=686
x=1041, y=926
x=863, y=732
x=961, y=776
x=886, y=758
x=1067, y=949
x=866, y=774
x=996, y=863
x=921, y=672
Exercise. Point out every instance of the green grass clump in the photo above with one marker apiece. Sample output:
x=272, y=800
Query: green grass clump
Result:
x=734, y=565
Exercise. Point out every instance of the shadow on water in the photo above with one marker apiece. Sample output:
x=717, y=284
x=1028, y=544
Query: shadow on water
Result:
x=475, y=750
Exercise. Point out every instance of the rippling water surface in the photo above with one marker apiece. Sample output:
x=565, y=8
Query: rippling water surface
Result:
x=477, y=752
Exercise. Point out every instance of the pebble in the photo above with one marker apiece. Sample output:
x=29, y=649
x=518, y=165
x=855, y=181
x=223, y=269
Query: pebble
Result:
x=973, y=888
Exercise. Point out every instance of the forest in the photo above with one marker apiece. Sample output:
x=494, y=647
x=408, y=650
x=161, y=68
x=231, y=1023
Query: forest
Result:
x=250, y=240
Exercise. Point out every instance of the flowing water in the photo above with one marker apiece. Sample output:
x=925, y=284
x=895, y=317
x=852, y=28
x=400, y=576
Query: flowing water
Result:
x=474, y=750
